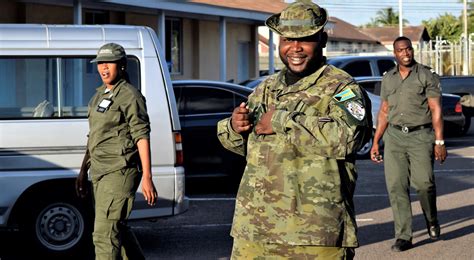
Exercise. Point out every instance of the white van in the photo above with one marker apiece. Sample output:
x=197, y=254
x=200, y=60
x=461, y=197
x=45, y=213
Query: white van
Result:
x=46, y=81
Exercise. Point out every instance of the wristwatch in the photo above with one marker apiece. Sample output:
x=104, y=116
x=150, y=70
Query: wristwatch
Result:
x=439, y=142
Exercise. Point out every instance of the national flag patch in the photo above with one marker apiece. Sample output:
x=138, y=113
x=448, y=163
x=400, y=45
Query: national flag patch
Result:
x=344, y=95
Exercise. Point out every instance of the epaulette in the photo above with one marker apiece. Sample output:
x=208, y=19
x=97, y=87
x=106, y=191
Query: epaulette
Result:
x=429, y=68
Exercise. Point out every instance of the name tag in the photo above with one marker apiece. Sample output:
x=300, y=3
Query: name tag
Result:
x=104, y=105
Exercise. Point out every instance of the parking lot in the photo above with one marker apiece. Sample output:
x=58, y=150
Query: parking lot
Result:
x=203, y=231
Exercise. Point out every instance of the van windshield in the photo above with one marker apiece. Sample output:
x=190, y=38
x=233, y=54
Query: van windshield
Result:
x=51, y=87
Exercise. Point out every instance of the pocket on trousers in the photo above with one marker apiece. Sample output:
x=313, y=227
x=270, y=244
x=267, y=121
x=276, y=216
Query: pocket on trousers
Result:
x=119, y=208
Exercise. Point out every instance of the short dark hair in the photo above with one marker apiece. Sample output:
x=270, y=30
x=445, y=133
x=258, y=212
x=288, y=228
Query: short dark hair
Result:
x=401, y=38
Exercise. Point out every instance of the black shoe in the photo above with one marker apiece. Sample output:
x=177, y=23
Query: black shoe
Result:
x=401, y=245
x=434, y=231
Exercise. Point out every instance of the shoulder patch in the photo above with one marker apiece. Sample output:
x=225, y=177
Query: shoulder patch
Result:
x=356, y=109
x=344, y=95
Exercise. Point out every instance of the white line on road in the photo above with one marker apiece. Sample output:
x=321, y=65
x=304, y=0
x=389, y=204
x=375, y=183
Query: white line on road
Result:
x=364, y=219
x=455, y=170
x=211, y=199
x=233, y=199
x=451, y=156
x=183, y=226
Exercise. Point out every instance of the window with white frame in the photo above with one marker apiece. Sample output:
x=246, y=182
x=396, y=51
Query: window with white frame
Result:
x=173, y=44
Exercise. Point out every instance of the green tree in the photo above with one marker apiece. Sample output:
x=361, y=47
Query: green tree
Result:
x=448, y=26
x=372, y=23
x=386, y=17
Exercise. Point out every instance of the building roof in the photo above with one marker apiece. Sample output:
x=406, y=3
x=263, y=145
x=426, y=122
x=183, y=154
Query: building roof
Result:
x=251, y=10
x=341, y=30
x=265, y=6
x=386, y=35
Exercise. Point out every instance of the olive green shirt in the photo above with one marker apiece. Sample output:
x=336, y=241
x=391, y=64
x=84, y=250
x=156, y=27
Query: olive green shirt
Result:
x=113, y=134
x=298, y=184
x=408, y=98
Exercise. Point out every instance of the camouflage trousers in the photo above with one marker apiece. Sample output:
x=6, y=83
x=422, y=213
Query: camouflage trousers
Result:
x=114, y=194
x=243, y=249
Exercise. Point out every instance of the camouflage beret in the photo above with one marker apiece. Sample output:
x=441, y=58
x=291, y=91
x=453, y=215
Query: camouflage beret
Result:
x=109, y=52
x=299, y=19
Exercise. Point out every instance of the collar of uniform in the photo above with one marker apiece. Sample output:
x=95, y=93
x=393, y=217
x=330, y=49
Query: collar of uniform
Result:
x=305, y=81
x=114, y=90
x=412, y=68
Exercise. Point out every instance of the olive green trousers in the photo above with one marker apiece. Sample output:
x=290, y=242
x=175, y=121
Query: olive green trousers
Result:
x=408, y=161
x=114, y=194
x=251, y=250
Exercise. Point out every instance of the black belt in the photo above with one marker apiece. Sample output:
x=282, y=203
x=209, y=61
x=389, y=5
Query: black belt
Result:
x=407, y=129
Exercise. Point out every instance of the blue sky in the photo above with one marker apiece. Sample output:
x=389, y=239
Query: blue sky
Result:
x=359, y=12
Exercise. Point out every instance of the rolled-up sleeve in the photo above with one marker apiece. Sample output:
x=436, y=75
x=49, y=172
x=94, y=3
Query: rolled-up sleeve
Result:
x=137, y=117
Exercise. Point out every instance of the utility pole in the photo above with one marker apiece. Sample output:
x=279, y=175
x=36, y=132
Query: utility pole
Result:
x=465, y=67
x=400, y=17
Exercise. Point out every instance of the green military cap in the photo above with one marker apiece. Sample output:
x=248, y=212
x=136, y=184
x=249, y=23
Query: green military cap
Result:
x=109, y=52
x=299, y=19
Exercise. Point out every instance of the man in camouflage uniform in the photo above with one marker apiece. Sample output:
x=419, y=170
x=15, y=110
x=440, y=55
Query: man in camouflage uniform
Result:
x=299, y=132
x=410, y=110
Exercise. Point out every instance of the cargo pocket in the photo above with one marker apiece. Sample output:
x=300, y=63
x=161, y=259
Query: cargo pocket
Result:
x=119, y=208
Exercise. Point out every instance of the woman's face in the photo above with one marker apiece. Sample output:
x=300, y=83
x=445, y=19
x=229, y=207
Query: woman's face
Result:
x=109, y=72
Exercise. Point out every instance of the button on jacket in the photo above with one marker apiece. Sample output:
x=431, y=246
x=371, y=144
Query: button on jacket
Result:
x=114, y=133
x=298, y=185
x=408, y=98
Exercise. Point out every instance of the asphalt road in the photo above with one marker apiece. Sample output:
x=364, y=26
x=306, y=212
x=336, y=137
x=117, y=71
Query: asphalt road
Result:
x=203, y=231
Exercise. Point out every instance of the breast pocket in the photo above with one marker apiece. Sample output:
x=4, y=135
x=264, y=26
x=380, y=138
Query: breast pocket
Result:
x=108, y=119
x=416, y=95
x=392, y=97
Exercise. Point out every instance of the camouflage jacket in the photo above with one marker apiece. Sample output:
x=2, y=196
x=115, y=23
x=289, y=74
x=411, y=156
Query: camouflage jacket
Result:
x=298, y=185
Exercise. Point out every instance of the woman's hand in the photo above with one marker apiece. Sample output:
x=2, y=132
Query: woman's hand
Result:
x=149, y=190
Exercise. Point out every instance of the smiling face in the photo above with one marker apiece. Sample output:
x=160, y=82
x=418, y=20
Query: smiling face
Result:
x=109, y=72
x=403, y=52
x=302, y=56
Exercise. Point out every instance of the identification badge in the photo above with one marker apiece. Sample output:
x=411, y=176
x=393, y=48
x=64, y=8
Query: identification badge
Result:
x=104, y=105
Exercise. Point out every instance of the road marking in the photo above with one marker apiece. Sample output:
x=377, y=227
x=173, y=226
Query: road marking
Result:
x=455, y=170
x=451, y=156
x=183, y=226
x=364, y=219
x=233, y=199
x=212, y=199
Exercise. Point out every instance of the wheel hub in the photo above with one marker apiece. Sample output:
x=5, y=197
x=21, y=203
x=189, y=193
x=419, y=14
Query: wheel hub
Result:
x=59, y=226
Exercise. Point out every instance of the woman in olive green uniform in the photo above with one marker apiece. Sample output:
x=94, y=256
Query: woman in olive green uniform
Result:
x=118, y=155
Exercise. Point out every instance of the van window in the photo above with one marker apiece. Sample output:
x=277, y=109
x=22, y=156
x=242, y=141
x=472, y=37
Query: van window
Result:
x=50, y=87
x=358, y=68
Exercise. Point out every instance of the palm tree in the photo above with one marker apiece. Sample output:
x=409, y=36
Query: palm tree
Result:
x=388, y=17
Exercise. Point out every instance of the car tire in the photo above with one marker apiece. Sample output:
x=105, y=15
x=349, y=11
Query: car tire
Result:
x=60, y=227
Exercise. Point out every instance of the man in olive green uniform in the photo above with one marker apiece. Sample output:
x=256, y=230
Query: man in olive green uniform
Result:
x=118, y=146
x=299, y=132
x=410, y=110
